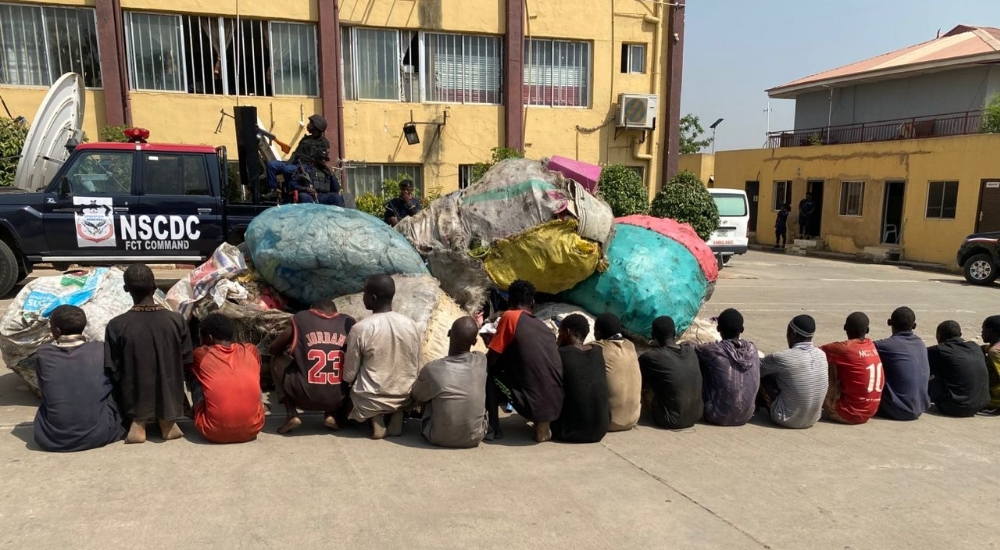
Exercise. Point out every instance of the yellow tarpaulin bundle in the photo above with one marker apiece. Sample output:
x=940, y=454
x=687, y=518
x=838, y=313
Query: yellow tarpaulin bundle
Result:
x=552, y=256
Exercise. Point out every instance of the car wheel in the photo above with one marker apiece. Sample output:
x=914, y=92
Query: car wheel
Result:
x=720, y=261
x=9, y=269
x=980, y=269
x=726, y=258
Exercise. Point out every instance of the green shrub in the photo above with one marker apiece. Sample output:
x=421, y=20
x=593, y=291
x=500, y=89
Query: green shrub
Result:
x=374, y=204
x=499, y=154
x=370, y=203
x=12, y=134
x=685, y=199
x=113, y=134
x=991, y=115
x=622, y=188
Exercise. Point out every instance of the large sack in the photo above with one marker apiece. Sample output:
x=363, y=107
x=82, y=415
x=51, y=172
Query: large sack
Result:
x=551, y=255
x=650, y=275
x=457, y=231
x=25, y=325
x=226, y=263
x=313, y=251
x=421, y=299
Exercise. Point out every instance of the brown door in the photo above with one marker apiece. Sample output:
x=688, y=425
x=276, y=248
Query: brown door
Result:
x=989, y=206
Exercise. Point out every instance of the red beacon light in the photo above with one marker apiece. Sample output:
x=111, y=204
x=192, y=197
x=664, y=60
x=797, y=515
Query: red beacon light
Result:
x=136, y=135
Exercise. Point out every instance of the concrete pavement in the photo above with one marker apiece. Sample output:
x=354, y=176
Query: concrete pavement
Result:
x=932, y=483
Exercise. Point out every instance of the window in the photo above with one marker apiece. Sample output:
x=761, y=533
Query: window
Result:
x=633, y=58
x=463, y=68
x=782, y=194
x=465, y=172
x=101, y=172
x=641, y=170
x=38, y=44
x=368, y=178
x=730, y=205
x=172, y=174
x=393, y=65
x=212, y=55
x=852, y=198
x=942, y=197
x=557, y=73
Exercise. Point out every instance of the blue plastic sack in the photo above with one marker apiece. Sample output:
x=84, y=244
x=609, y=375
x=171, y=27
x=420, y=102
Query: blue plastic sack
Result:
x=649, y=275
x=313, y=251
x=42, y=302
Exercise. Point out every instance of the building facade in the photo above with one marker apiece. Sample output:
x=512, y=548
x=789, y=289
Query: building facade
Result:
x=541, y=77
x=891, y=148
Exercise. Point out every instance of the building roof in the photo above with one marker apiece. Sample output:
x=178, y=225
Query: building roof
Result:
x=963, y=46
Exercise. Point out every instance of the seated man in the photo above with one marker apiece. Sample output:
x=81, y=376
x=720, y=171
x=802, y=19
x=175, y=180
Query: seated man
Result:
x=316, y=342
x=146, y=349
x=991, y=337
x=383, y=354
x=585, y=412
x=77, y=411
x=794, y=382
x=624, y=379
x=453, y=391
x=317, y=184
x=524, y=359
x=907, y=371
x=403, y=206
x=959, y=383
x=672, y=375
x=730, y=372
x=305, y=153
x=855, y=374
x=226, y=384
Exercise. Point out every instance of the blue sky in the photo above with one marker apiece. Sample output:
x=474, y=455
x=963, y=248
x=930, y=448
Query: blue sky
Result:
x=735, y=49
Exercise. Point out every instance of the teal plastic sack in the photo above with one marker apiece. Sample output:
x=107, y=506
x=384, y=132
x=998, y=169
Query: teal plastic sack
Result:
x=649, y=275
x=313, y=251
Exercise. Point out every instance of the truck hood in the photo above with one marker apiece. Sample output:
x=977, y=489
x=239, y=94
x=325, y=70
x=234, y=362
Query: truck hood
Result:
x=986, y=235
x=59, y=119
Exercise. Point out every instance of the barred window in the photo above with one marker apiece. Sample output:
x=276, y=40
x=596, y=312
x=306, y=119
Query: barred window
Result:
x=38, y=44
x=465, y=173
x=368, y=178
x=463, y=68
x=557, y=73
x=782, y=195
x=852, y=198
x=220, y=55
x=381, y=64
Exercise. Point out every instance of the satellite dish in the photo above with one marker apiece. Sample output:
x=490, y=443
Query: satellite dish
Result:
x=59, y=118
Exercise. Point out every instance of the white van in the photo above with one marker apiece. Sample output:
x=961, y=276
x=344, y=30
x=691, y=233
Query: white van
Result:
x=734, y=215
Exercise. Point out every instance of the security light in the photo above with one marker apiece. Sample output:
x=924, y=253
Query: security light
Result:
x=410, y=131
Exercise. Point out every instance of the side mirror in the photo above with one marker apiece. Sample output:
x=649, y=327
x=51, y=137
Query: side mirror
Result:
x=64, y=188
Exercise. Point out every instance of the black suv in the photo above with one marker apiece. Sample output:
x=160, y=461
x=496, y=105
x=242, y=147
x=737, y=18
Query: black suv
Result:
x=979, y=257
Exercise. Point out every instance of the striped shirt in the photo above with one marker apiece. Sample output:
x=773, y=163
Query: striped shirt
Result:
x=802, y=376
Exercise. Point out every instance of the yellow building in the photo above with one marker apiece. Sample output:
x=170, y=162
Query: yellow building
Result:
x=891, y=149
x=539, y=76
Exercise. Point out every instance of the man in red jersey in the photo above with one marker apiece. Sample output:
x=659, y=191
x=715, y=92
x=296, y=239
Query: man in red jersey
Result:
x=856, y=377
x=226, y=384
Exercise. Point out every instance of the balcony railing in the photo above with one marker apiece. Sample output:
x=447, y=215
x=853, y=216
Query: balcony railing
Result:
x=950, y=124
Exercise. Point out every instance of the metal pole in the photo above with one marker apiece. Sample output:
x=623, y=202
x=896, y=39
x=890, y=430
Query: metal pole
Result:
x=713, y=140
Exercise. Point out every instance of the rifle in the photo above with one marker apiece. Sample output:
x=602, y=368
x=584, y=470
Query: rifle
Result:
x=285, y=148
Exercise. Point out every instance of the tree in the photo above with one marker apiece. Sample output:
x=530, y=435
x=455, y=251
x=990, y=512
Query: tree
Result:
x=623, y=190
x=991, y=115
x=12, y=135
x=691, y=130
x=685, y=199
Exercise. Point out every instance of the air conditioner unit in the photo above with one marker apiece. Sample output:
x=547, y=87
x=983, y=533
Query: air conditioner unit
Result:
x=638, y=111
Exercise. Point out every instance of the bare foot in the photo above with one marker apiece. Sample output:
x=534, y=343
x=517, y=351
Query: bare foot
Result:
x=378, y=427
x=331, y=423
x=136, y=433
x=543, y=432
x=396, y=424
x=170, y=430
x=292, y=423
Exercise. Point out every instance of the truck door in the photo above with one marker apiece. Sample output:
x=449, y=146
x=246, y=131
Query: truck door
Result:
x=82, y=225
x=178, y=218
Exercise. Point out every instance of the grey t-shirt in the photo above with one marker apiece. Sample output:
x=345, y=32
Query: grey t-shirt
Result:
x=454, y=390
x=803, y=377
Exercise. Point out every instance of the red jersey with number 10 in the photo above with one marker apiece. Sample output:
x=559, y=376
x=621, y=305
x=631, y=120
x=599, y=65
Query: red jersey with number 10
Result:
x=859, y=374
x=318, y=349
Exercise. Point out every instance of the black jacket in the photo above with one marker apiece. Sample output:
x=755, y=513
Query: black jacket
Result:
x=960, y=383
